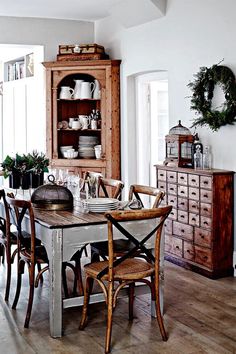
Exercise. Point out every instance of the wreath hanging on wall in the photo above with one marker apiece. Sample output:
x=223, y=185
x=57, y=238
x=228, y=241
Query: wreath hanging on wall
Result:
x=203, y=91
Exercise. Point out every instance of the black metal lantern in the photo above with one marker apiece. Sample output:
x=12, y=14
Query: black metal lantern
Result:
x=179, y=147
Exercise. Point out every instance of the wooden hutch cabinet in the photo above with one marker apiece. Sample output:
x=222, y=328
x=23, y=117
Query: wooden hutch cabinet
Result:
x=64, y=73
x=199, y=230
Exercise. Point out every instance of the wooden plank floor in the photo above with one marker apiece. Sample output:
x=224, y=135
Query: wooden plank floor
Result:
x=200, y=317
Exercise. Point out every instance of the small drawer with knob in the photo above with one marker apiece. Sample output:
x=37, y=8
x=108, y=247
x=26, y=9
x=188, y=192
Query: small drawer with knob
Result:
x=168, y=226
x=193, y=206
x=206, y=182
x=206, y=209
x=172, y=189
x=173, y=245
x=183, y=230
x=193, y=193
x=172, y=200
x=161, y=175
x=162, y=186
x=183, y=216
x=203, y=256
x=182, y=204
x=173, y=214
x=171, y=177
x=193, y=219
x=205, y=196
x=183, y=178
x=206, y=223
x=193, y=180
x=183, y=191
x=188, y=251
x=202, y=237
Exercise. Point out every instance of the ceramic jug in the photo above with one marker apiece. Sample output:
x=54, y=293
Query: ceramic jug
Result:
x=66, y=92
x=85, y=121
x=77, y=89
x=87, y=89
x=97, y=90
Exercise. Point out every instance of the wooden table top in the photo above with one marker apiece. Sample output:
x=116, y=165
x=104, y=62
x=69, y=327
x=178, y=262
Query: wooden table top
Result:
x=64, y=219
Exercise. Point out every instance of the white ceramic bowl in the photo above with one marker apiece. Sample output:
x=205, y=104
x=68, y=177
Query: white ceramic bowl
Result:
x=65, y=147
x=70, y=154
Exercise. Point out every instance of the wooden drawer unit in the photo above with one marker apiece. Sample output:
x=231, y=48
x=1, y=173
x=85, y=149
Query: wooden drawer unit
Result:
x=188, y=251
x=199, y=230
x=162, y=186
x=174, y=245
x=183, y=179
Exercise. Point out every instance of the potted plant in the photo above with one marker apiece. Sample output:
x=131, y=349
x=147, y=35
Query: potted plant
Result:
x=38, y=163
x=10, y=170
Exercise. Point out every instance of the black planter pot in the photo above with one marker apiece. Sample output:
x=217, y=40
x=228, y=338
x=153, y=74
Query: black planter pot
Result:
x=14, y=180
x=25, y=181
x=36, y=179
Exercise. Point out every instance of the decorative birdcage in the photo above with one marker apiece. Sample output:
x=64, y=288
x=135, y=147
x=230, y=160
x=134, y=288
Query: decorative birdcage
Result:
x=179, y=147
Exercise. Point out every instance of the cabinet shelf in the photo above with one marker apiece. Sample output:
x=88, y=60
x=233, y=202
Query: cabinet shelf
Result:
x=79, y=130
x=78, y=99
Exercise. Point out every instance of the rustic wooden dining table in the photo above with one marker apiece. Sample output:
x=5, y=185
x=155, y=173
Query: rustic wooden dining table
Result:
x=63, y=233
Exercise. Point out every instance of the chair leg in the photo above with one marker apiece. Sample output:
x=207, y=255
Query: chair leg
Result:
x=158, y=311
x=109, y=318
x=31, y=294
x=20, y=271
x=84, y=317
x=39, y=272
x=8, y=282
x=131, y=300
x=79, y=277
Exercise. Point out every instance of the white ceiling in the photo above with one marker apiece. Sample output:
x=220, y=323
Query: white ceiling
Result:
x=89, y=10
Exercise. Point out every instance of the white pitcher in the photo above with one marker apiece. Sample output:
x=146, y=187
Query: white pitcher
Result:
x=66, y=92
x=77, y=89
x=84, y=120
x=87, y=89
x=97, y=90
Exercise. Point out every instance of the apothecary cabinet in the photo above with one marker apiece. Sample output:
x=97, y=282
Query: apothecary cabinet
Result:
x=107, y=74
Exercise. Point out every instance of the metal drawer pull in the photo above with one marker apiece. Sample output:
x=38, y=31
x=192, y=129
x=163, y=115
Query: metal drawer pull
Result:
x=193, y=219
x=171, y=189
x=182, y=230
x=171, y=176
x=193, y=180
x=182, y=192
x=193, y=206
x=205, y=182
x=181, y=177
x=172, y=201
x=161, y=174
x=182, y=203
x=205, y=257
x=182, y=216
x=205, y=196
x=205, y=209
x=193, y=193
x=202, y=236
x=205, y=223
x=188, y=251
x=177, y=247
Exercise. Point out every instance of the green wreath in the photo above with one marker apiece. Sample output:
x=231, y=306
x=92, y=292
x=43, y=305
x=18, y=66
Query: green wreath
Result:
x=203, y=91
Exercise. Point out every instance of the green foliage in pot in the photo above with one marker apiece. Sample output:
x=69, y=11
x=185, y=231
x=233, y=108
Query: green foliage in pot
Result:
x=8, y=165
x=37, y=162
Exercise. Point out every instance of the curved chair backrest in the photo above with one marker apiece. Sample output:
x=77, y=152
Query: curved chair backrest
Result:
x=115, y=189
x=115, y=220
x=21, y=208
x=137, y=189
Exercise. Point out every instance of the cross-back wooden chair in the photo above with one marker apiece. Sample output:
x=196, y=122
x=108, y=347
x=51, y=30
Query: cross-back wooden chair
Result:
x=29, y=251
x=8, y=238
x=122, y=246
x=128, y=269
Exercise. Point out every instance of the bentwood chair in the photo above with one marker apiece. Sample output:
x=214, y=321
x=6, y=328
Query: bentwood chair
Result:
x=29, y=252
x=123, y=246
x=128, y=269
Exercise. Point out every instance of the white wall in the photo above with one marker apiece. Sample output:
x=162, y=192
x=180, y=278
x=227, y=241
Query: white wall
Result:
x=192, y=34
x=47, y=32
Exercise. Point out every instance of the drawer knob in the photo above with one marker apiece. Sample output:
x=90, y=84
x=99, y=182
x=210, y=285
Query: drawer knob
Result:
x=182, y=203
x=182, y=230
x=171, y=189
x=205, y=182
x=182, y=192
x=172, y=201
x=193, y=180
x=194, y=206
x=188, y=251
x=205, y=196
x=177, y=247
x=205, y=209
x=181, y=177
x=202, y=236
x=171, y=176
x=193, y=219
x=205, y=223
x=182, y=216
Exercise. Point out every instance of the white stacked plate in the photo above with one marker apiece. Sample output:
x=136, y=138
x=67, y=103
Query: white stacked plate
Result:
x=86, y=146
x=100, y=205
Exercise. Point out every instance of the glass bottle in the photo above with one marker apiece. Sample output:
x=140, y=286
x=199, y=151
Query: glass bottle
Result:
x=194, y=147
x=207, y=158
x=198, y=158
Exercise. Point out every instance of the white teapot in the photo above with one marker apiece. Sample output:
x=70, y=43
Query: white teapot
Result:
x=77, y=89
x=66, y=92
x=87, y=89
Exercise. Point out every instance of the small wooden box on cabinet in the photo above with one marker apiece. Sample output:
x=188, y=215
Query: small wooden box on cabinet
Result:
x=107, y=73
x=199, y=230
